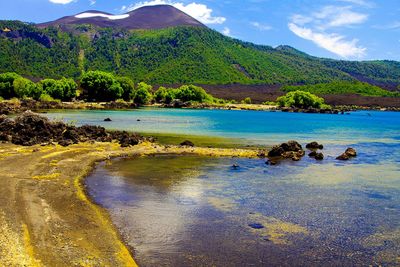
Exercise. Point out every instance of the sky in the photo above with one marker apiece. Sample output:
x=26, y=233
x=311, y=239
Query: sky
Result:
x=340, y=29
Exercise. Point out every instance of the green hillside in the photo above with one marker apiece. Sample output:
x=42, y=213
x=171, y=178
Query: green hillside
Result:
x=172, y=56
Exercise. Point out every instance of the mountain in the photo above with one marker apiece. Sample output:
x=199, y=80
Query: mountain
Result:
x=162, y=45
x=149, y=17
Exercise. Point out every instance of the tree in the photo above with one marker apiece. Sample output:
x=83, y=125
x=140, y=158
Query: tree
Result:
x=101, y=86
x=128, y=88
x=192, y=93
x=301, y=99
x=26, y=88
x=63, y=89
x=7, y=84
x=160, y=94
x=247, y=100
x=142, y=94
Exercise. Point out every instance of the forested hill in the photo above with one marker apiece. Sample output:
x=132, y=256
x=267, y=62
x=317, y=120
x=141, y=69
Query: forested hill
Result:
x=175, y=55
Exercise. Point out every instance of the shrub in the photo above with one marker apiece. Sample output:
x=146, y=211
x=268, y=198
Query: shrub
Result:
x=142, y=94
x=301, y=99
x=128, y=88
x=63, y=89
x=247, y=100
x=101, y=86
x=26, y=88
x=192, y=93
x=7, y=84
x=160, y=94
x=46, y=98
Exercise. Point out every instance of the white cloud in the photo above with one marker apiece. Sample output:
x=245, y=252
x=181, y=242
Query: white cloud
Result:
x=332, y=42
x=92, y=2
x=260, y=26
x=334, y=16
x=63, y=2
x=392, y=26
x=198, y=11
x=359, y=2
x=322, y=25
x=226, y=31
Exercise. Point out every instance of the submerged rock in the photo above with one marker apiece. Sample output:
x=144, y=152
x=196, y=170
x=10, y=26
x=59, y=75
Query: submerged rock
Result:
x=349, y=153
x=187, y=143
x=290, y=150
x=319, y=156
x=256, y=225
x=314, y=145
x=107, y=119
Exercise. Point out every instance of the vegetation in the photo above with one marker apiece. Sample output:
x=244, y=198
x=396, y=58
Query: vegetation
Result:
x=180, y=55
x=185, y=93
x=301, y=99
x=100, y=86
x=341, y=87
x=247, y=100
x=63, y=89
x=142, y=95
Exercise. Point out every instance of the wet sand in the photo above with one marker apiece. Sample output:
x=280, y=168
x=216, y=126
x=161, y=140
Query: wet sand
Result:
x=46, y=218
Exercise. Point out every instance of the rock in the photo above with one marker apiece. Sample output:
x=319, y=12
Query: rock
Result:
x=296, y=158
x=291, y=146
x=271, y=162
x=256, y=225
x=351, y=152
x=300, y=153
x=312, y=154
x=319, y=156
x=314, y=145
x=187, y=143
x=344, y=156
x=107, y=119
x=276, y=151
x=235, y=166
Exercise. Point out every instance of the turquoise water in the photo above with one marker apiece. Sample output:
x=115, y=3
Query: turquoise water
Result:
x=197, y=211
x=252, y=126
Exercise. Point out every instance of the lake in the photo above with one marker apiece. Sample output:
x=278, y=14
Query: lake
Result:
x=198, y=211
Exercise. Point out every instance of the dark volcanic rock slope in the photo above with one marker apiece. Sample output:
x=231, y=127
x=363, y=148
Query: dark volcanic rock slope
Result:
x=149, y=17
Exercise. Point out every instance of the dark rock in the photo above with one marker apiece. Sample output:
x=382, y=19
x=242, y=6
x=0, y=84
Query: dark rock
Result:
x=256, y=225
x=312, y=154
x=351, y=152
x=276, y=151
x=107, y=119
x=344, y=156
x=296, y=158
x=235, y=166
x=187, y=143
x=314, y=145
x=271, y=162
x=319, y=156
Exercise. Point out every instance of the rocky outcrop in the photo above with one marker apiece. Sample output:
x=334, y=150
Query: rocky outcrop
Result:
x=187, y=143
x=30, y=129
x=349, y=153
x=289, y=150
x=314, y=145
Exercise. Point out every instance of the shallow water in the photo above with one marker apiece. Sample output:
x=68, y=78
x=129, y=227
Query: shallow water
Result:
x=253, y=127
x=195, y=211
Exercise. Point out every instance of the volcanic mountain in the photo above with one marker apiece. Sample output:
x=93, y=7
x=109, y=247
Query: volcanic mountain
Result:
x=148, y=17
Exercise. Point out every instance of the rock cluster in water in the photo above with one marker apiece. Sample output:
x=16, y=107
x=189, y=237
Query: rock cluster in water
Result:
x=30, y=129
x=349, y=153
x=290, y=150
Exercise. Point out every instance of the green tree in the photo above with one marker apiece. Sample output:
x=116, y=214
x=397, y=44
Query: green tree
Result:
x=142, y=94
x=301, y=99
x=101, y=86
x=160, y=94
x=7, y=84
x=26, y=88
x=192, y=93
x=128, y=87
x=63, y=89
x=247, y=100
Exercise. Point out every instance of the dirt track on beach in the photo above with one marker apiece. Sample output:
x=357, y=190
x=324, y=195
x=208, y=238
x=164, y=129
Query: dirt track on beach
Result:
x=46, y=219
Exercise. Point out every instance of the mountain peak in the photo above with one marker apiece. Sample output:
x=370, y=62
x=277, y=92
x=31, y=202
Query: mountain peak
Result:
x=147, y=17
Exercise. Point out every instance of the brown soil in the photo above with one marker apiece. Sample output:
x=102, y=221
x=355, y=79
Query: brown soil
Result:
x=45, y=217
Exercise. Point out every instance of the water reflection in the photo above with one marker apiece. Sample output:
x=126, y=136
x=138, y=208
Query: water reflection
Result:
x=194, y=211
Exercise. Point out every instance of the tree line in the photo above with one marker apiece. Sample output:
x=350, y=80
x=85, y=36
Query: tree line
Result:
x=98, y=86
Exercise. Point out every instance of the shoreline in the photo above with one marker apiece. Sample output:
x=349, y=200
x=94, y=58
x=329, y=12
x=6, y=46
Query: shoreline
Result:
x=8, y=107
x=47, y=215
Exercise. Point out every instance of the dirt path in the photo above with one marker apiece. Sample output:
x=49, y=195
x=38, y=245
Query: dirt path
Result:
x=46, y=218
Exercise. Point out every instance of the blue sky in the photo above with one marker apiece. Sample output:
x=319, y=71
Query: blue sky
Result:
x=341, y=29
